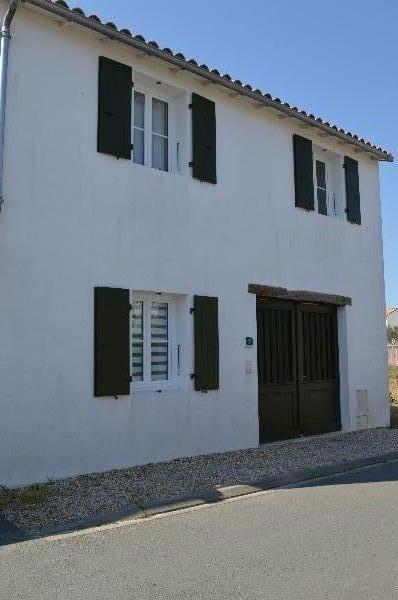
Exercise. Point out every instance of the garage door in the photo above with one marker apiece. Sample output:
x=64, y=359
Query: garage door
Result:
x=297, y=369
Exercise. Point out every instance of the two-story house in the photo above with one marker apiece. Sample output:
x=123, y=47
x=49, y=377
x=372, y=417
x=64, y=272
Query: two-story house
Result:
x=188, y=265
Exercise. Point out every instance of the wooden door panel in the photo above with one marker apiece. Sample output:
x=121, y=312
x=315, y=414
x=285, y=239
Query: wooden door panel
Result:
x=278, y=414
x=297, y=369
x=317, y=336
x=318, y=409
x=277, y=370
x=318, y=380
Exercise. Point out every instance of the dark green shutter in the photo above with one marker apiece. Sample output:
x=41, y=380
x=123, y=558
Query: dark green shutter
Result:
x=303, y=172
x=206, y=343
x=111, y=342
x=114, y=108
x=352, y=190
x=204, y=139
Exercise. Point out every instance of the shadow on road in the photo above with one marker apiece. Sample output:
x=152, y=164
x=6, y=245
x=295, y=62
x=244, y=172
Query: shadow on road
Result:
x=373, y=474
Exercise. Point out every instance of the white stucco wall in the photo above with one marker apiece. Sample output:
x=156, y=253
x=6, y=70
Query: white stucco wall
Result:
x=74, y=219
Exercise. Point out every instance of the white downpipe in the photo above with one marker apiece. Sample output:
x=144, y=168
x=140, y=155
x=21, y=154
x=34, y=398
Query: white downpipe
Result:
x=4, y=49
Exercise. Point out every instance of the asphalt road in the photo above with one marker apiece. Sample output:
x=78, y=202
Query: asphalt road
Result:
x=334, y=538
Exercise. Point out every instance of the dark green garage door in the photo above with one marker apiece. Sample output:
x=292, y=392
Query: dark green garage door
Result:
x=297, y=369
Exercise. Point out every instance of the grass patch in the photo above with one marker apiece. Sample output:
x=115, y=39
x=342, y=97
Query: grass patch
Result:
x=393, y=385
x=392, y=373
x=393, y=391
x=34, y=494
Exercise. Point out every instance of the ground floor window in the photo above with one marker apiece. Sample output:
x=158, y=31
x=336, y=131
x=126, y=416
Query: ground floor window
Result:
x=151, y=340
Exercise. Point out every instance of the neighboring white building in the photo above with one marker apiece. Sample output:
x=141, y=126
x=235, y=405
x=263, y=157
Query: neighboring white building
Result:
x=248, y=216
x=392, y=321
x=392, y=317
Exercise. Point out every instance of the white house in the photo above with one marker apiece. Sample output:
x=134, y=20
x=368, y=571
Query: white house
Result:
x=187, y=264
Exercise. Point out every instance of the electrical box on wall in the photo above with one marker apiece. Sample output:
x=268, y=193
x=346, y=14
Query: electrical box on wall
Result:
x=249, y=367
x=362, y=409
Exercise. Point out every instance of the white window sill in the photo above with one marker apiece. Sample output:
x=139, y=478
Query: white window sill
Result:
x=160, y=172
x=151, y=389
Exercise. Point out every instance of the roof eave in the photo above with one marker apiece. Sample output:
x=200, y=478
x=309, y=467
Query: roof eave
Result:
x=183, y=65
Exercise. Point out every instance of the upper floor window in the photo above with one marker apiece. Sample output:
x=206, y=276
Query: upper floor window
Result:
x=328, y=182
x=151, y=131
x=143, y=119
x=325, y=181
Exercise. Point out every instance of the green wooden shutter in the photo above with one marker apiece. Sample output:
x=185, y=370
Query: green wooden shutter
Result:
x=353, y=209
x=303, y=172
x=114, y=108
x=204, y=139
x=206, y=343
x=111, y=342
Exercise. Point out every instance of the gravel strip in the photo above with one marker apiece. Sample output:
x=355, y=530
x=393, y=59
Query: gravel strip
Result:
x=90, y=495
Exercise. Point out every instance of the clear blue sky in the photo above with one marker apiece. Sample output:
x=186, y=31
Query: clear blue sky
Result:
x=337, y=59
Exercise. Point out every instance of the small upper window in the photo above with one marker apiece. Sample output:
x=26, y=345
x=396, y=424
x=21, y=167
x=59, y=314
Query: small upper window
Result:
x=151, y=131
x=321, y=188
x=328, y=182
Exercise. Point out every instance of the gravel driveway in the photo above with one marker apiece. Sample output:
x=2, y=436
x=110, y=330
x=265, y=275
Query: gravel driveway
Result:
x=91, y=495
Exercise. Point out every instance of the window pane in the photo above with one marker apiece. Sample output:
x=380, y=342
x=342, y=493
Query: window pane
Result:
x=321, y=174
x=137, y=341
x=160, y=117
x=139, y=110
x=322, y=205
x=159, y=341
x=139, y=147
x=160, y=152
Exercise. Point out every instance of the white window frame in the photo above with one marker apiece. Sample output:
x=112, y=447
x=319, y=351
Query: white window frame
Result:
x=147, y=383
x=149, y=96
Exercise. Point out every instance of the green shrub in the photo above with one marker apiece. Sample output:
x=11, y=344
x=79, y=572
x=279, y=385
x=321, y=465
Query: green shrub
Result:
x=34, y=494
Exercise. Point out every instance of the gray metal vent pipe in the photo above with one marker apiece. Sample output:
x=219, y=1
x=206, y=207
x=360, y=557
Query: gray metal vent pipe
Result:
x=4, y=50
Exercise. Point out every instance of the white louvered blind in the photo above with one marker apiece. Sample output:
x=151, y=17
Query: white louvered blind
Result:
x=159, y=341
x=137, y=340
